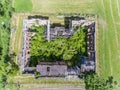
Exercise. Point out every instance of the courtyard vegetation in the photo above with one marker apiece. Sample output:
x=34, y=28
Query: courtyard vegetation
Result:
x=61, y=49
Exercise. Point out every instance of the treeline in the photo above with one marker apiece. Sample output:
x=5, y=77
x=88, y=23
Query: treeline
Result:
x=67, y=49
x=6, y=64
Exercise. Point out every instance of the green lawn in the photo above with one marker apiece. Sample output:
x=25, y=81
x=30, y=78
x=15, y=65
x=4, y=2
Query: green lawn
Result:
x=108, y=41
x=109, y=37
x=17, y=36
x=22, y=5
x=29, y=82
x=54, y=6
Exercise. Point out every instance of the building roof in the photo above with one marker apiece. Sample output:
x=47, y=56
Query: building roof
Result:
x=51, y=69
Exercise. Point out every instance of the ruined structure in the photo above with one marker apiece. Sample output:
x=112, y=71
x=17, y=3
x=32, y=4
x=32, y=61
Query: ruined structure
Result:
x=58, y=68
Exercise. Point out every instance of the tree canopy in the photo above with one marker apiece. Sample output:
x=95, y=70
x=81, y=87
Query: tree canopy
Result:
x=94, y=82
x=6, y=64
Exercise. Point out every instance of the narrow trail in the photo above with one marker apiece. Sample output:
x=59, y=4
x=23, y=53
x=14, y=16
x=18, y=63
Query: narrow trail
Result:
x=110, y=61
x=13, y=3
x=103, y=32
x=57, y=88
x=14, y=39
x=20, y=38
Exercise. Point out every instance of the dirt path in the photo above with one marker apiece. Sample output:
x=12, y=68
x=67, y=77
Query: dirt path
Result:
x=57, y=88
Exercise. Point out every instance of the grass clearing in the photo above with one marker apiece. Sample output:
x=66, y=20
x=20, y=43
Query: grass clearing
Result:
x=16, y=42
x=22, y=5
x=54, y=6
x=109, y=48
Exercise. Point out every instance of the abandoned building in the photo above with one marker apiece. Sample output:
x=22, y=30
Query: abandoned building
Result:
x=58, y=68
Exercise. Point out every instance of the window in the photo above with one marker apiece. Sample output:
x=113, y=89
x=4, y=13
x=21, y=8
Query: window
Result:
x=60, y=32
x=48, y=69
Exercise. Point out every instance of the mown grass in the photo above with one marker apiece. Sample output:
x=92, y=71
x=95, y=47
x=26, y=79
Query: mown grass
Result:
x=22, y=5
x=29, y=82
x=109, y=39
x=16, y=41
x=44, y=80
x=54, y=6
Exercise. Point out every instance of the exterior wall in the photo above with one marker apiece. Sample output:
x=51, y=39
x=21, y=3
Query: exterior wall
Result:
x=27, y=23
x=55, y=70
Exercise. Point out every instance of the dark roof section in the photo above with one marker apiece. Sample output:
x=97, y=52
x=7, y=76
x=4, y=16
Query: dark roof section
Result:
x=51, y=63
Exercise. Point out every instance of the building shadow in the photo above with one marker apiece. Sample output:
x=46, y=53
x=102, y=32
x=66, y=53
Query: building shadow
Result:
x=38, y=17
x=67, y=20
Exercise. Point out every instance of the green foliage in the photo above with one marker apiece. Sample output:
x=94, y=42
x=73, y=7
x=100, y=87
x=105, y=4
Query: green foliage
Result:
x=12, y=86
x=67, y=49
x=37, y=74
x=23, y=5
x=2, y=81
x=94, y=82
x=6, y=65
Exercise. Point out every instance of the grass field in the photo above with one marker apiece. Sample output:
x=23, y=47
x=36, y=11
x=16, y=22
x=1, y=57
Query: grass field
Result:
x=109, y=37
x=23, y=5
x=55, y=6
x=108, y=40
x=46, y=82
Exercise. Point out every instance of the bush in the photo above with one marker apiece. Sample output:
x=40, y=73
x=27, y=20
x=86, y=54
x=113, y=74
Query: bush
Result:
x=37, y=74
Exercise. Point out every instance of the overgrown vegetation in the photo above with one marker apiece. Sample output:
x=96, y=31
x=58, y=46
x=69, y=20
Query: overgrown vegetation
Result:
x=36, y=74
x=67, y=49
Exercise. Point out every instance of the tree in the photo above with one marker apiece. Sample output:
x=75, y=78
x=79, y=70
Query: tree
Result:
x=5, y=15
x=94, y=82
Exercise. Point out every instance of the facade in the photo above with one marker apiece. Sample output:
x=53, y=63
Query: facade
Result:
x=58, y=68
